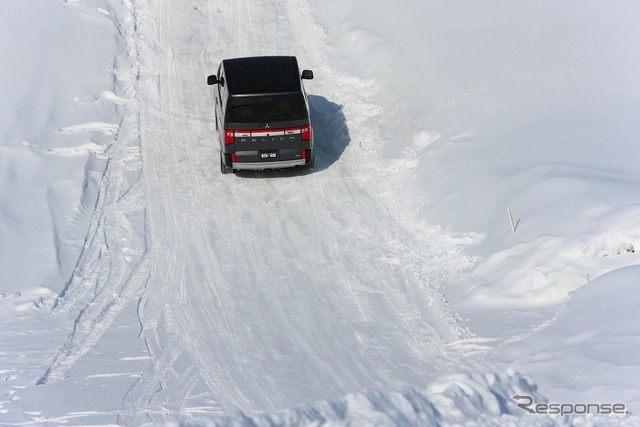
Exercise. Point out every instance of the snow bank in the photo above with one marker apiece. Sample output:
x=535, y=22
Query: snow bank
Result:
x=51, y=79
x=589, y=351
x=494, y=106
x=60, y=121
x=464, y=399
x=458, y=399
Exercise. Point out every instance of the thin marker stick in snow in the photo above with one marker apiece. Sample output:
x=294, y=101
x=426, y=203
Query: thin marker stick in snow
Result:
x=513, y=227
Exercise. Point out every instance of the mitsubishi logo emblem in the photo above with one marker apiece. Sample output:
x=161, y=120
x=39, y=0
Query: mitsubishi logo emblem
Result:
x=266, y=126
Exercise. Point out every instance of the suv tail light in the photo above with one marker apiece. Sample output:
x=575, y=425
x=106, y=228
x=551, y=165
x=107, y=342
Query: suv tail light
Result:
x=306, y=133
x=228, y=136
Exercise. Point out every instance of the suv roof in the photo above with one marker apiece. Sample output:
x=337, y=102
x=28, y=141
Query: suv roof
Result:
x=262, y=74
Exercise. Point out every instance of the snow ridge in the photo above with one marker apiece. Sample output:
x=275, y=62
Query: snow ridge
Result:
x=463, y=399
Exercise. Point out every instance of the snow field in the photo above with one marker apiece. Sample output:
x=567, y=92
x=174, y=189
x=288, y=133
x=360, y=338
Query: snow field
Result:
x=140, y=286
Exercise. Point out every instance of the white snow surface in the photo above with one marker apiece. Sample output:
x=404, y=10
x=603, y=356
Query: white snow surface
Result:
x=387, y=286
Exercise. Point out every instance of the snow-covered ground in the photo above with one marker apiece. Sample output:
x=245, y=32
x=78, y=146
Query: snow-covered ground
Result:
x=388, y=286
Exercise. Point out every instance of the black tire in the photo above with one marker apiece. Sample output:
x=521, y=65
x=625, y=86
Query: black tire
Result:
x=310, y=160
x=224, y=168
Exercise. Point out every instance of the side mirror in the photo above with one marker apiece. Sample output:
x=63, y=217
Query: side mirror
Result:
x=213, y=80
x=307, y=74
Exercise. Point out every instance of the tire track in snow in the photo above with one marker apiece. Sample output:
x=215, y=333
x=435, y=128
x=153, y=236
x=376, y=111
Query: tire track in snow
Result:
x=268, y=292
x=113, y=266
x=164, y=150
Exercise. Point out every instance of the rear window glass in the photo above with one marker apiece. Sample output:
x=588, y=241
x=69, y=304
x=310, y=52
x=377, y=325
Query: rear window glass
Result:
x=271, y=108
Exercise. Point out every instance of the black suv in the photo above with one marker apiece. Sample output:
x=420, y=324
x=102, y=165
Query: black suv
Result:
x=263, y=111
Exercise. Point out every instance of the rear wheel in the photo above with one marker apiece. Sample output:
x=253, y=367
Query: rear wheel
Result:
x=224, y=168
x=310, y=160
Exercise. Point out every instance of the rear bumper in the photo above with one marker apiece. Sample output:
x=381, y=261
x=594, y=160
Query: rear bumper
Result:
x=268, y=165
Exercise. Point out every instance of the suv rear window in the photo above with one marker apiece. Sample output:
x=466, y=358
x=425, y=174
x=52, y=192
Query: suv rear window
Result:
x=270, y=108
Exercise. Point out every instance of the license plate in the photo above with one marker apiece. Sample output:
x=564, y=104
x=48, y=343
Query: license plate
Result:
x=269, y=154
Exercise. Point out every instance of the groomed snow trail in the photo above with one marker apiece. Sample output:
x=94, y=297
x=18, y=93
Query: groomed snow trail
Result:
x=271, y=289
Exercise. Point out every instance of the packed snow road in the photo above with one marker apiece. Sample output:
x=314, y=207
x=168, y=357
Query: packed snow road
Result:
x=266, y=290
x=272, y=289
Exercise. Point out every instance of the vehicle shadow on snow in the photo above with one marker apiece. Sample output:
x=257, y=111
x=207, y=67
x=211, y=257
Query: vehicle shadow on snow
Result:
x=331, y=138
